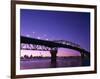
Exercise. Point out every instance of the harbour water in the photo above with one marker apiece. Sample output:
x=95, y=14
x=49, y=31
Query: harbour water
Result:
x=37, y=63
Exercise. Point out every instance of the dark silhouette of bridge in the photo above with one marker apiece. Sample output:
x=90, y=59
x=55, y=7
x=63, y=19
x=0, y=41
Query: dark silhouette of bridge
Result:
x=52, y=46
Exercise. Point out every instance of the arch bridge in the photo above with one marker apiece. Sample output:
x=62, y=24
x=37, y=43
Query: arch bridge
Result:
x=52, y=46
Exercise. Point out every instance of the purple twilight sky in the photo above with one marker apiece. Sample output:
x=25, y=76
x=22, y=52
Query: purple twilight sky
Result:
x=57, y=25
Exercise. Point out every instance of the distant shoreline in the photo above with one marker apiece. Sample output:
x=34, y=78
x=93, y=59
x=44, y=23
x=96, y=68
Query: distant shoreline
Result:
x=23, y=59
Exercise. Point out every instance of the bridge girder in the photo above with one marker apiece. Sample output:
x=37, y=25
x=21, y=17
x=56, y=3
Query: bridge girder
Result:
x=50, y=44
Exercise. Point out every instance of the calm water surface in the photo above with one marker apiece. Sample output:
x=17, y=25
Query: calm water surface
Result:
x=46, y=63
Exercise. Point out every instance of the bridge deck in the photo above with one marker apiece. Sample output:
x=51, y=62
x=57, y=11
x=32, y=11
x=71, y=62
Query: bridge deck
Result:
x=50, y=44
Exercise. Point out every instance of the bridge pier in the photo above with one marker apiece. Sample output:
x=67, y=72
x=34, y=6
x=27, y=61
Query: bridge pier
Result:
x=82, y=58
x=53, y=53
x=85, y=60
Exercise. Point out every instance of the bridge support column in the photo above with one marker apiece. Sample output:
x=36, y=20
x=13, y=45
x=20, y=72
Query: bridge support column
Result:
x=82, y=58
x=53, y=57
x=85, y=59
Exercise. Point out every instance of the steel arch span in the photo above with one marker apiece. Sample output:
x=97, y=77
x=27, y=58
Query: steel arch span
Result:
x=28, y=43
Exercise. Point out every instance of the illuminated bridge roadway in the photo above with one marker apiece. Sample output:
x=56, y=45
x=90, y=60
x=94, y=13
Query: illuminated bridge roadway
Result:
x=28, y=43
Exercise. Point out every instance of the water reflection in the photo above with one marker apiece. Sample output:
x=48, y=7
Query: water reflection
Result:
x=37, y=63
